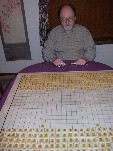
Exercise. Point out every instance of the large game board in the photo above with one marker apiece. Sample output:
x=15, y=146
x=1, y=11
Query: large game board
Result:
x=71, y=111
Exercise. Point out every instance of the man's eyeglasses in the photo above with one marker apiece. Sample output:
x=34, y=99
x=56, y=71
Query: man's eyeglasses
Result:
x=69, y=19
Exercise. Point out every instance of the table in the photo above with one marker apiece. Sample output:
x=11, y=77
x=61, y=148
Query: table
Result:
x=49, y=67
x=70, y=119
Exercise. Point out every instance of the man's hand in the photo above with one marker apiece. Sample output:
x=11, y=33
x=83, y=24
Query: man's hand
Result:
x=80, y=61
x=58, y=62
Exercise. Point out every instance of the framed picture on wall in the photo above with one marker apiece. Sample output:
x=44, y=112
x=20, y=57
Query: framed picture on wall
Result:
x=14, y=33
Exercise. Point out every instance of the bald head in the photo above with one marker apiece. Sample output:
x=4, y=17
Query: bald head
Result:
x=66, y=12
x=67, y=16
x=70, y=6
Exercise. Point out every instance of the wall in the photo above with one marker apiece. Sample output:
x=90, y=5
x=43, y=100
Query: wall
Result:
x=104, y=52
x=32, y=20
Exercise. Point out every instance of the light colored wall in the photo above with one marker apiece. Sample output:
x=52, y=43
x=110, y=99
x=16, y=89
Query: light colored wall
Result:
x=32, y=20
x=104, y=52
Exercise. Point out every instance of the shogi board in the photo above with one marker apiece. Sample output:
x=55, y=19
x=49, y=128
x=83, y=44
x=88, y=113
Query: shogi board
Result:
x=71, y=111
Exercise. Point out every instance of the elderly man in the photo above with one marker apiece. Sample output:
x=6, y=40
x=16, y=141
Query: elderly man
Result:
x=69, y=41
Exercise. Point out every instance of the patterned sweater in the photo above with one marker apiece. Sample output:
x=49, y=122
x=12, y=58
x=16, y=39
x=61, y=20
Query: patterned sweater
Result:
x=78, y=43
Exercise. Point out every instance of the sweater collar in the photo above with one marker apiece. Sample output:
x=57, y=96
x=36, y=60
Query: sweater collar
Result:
x=68, y=31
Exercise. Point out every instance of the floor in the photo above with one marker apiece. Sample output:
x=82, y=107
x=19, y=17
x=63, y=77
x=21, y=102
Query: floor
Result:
x=4, y=81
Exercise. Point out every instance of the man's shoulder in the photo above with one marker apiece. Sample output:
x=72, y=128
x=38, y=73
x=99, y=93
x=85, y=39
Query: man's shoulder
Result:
x=81, y=27
x=57, y=28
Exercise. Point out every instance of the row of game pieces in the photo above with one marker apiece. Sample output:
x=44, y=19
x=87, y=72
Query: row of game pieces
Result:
x=66, y=81
x=58, y=139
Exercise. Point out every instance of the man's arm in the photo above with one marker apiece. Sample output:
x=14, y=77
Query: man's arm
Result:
x=89, y=47
x=48, y=50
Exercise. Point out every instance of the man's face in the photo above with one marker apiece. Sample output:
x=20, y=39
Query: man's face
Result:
x=67, y=18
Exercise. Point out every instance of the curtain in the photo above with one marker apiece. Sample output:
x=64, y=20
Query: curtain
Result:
x=43, y=20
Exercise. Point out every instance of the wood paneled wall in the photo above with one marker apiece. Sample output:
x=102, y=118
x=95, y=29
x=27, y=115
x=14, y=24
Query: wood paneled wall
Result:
x=96, y=15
